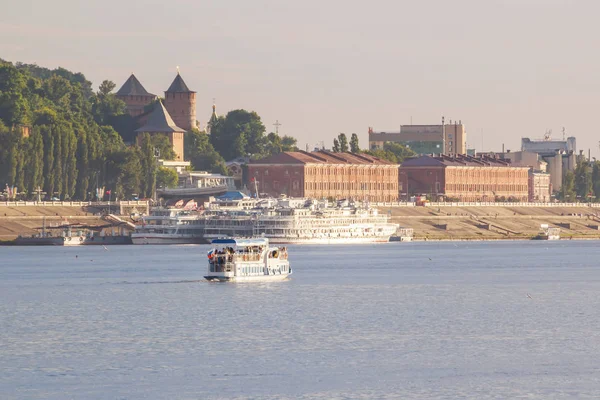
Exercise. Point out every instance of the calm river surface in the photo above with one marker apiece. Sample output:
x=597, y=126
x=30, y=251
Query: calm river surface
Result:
x=390, y=321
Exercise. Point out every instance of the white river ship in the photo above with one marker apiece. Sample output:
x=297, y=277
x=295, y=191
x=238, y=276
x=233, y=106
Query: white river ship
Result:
x=286, y=221
x=282, y=221
x=170, y=226
x=247, y=260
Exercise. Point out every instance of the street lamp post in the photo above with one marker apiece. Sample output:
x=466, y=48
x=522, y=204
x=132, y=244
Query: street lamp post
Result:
x=156, y=157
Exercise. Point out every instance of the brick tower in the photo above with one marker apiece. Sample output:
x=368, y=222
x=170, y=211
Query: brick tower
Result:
x=180, y=102
x=135, y=96
x=160, y=123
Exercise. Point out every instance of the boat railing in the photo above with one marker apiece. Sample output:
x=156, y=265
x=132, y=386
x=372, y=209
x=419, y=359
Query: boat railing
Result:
x=247, y=257
x=220, y=264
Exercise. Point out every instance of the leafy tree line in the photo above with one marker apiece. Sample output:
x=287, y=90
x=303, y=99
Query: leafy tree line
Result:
x=393, y=152
x=583, y=184
x=72, y=146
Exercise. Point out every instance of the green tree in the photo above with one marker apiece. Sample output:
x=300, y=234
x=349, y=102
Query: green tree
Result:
x=14, y=107
x=596, y=179
x=124, y=172
x=354, y=146
x=237, y=134
x=400, y=151
x=106, y=87
x=48, y=139
x=277, y=144
x=583, y=180
x=148, y=163
x=203, y=157
x=343, y=140
x=383, y=154
x=289, y=143
x=163, y=147
x=273, y=145
x=106, y=107
x=35, y=161
x=567, y=192
x=336, y=146
x=166, y=178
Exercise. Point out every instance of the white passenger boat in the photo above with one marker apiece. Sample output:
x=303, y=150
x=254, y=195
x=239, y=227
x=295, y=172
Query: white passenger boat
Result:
x=247, y=260
x=170, y=226
x=301, y=221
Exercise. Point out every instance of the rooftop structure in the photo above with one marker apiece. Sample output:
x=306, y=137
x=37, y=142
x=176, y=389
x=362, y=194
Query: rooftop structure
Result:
x=424, y=139
x=133, y=87
x=547, y=147
x=321, y=157
x=179, y=86
x=135, y=96
x=160, y=122
x=178, y=166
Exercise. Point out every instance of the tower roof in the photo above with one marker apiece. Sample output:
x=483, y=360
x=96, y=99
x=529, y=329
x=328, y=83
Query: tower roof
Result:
x=160, y=121
x=214, y=116
x=179, y=86
x=133, y=87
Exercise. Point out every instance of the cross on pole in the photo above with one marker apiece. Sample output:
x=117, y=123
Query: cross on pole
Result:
x=39, y=192
x=277, y=125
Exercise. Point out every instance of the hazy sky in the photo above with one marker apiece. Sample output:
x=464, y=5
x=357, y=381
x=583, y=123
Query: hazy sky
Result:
x=507, y=68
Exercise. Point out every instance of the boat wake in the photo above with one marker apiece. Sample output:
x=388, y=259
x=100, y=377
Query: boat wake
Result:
x=159, y=282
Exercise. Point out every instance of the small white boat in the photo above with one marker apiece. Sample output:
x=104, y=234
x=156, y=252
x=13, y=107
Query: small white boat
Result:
x=247, y=260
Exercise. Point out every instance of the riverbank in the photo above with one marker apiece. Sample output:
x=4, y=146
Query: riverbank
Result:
x=496, y=223
x=470, y=223
x=26, y=220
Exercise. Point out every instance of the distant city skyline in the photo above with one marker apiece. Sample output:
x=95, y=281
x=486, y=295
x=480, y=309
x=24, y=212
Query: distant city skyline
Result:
x=507, y=69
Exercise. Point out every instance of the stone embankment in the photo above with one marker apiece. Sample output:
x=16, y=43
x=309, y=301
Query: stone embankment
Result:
x=23, y=220
x=496, y=223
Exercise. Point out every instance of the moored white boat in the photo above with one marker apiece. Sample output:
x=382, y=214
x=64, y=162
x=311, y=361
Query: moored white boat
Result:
x=170, y=226
x=247, y=260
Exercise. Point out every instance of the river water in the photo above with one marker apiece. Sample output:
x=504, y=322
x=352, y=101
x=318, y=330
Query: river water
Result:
x=477, y=320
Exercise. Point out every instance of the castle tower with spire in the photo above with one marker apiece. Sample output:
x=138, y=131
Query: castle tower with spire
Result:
x=213, y=119
x=135, y=96
x=180, y=102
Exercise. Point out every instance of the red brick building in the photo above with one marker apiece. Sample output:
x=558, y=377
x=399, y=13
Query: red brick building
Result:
x=323, y=174
x=464, y=178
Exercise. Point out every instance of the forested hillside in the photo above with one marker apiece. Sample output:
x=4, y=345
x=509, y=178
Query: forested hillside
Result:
x=56, y=133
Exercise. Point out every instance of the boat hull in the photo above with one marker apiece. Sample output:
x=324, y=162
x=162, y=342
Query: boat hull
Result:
x=107, y=240
x=354, y=240
x=167, y=239
x=50, y=241
x=252, y=278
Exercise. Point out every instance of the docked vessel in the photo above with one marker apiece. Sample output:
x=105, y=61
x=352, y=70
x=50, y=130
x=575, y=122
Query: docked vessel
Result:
x=247, y=260
x=285, y=221
x=60, y=235
x=67, y=234
x=282, y=221
x=170, y=226
x=548, y=233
